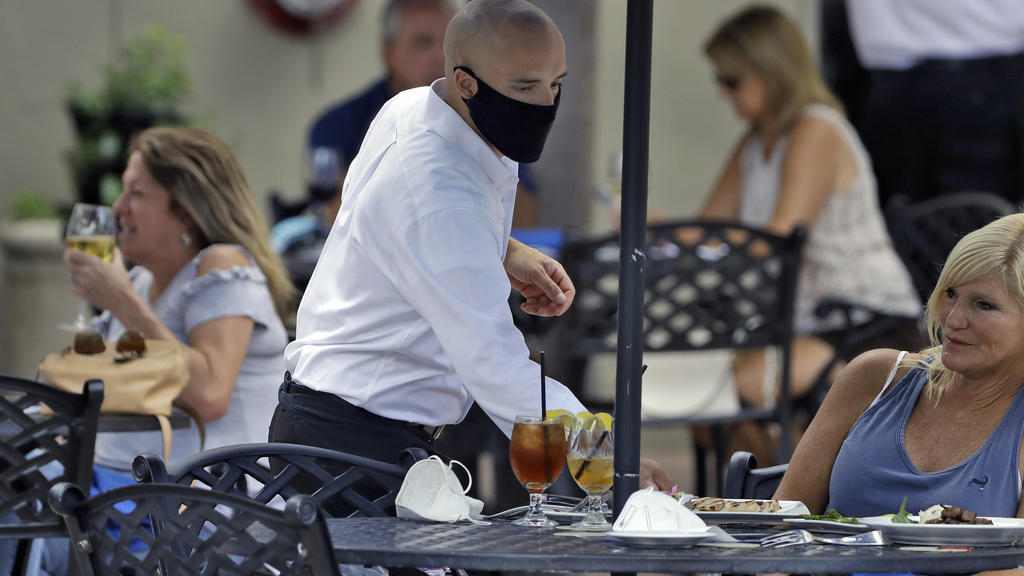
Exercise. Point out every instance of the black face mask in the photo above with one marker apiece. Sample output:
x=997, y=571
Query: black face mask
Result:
x=517, y=129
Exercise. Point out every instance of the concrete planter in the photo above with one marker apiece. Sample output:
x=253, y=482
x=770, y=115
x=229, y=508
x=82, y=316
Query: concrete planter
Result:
x=36, y=294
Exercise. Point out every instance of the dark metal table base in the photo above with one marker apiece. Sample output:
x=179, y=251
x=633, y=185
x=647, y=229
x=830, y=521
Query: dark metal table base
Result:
x=502, y=546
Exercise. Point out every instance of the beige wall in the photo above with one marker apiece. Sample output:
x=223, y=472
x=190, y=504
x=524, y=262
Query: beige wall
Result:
x=259, y=88
x=256, y=87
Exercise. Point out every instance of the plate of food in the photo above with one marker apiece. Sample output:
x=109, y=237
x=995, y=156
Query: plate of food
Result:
x=653, y=539
x=746, y=509
x=942, y=525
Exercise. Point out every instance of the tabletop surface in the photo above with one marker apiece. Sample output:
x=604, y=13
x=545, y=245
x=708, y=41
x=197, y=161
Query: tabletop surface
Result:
x=503, y=546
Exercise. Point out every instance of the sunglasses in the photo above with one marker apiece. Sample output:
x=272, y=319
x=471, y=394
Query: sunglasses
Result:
x=729, y=82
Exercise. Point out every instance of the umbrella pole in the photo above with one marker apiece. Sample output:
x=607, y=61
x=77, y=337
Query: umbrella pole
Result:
x=633, y=256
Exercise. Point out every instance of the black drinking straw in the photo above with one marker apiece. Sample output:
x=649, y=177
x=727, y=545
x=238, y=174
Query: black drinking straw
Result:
x=544, y=417
x=543, y=389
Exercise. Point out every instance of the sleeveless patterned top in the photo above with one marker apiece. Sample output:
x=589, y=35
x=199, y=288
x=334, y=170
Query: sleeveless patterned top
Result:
x=848, y=254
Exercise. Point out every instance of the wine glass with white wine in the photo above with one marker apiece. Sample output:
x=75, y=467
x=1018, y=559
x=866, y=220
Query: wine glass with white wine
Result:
x=91, y=229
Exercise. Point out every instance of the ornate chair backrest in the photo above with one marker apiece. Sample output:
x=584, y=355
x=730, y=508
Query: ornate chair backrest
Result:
x=708, y=285
x=175, y=530
x=924, y=233
x=343, y=484
x=46, y=436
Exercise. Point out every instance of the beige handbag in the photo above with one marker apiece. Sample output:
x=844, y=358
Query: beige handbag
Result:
x=149, y=384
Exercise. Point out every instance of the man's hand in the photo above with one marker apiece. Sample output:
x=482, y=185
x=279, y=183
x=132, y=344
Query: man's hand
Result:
x=539, y=278
x=651, y=474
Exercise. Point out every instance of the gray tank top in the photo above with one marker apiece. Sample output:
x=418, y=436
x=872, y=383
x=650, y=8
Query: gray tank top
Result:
x=873, y=471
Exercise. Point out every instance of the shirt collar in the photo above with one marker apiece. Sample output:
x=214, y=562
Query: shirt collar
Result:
x=450, y=126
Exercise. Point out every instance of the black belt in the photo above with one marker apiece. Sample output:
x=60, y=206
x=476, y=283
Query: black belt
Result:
x=943, y=65
x=290, y=386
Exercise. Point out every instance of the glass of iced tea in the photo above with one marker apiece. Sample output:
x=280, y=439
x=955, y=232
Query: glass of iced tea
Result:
x=91, y=229
x=592, y=466
x=537, y=453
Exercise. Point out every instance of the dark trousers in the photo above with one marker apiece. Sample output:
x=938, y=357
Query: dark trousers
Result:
x=305, y=416
x=947, y=126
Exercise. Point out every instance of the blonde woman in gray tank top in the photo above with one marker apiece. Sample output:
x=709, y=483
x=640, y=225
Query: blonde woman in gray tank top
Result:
x=800, y=162
x=940, y=427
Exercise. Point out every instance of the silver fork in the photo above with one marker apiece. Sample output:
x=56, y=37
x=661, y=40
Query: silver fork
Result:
x=798, y=536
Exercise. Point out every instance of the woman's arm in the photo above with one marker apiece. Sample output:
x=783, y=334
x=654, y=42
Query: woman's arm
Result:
x=724, y=202
x=810, y=469
x=809, y=174
x=215, y=349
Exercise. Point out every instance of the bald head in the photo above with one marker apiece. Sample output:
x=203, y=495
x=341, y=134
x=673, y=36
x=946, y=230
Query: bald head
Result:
x=485, y=29
x=512, y=48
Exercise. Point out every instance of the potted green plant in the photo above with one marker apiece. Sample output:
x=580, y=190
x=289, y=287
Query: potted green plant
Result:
x=33, y=281
x=34, y=222
x=142, y=87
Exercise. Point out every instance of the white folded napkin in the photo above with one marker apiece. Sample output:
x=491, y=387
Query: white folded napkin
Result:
x=651, y=511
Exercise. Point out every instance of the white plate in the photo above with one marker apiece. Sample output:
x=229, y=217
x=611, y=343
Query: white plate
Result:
x=790, y=509
x=650, y=539
x=1002, y=532
x=828, y=526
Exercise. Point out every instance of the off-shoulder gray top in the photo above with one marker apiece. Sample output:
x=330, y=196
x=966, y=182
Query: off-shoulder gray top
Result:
x=189, y=302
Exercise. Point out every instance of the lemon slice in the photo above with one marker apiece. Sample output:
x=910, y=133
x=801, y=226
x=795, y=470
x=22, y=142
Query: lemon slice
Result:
x=602, y=421
x=584, y=421
x=563, y=416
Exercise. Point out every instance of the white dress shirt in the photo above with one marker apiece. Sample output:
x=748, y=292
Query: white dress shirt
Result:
x=406, y=314
x=896, y=34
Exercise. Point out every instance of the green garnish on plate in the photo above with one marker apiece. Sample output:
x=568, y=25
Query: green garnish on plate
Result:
x=902, y=517
x=831, y=516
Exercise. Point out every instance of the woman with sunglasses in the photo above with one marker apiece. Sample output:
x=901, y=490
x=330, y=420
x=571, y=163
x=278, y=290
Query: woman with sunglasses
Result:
x=800, y=162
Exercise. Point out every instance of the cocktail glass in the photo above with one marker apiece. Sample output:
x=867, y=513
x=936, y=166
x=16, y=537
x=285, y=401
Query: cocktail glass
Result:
x=537, y=453
x=591, y=464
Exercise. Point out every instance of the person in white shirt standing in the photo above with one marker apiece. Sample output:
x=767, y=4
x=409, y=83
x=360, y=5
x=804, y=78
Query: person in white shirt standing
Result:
x=405, y=322
x=944, y=111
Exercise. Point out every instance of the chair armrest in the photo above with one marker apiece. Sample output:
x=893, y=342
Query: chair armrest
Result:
x=740, y=464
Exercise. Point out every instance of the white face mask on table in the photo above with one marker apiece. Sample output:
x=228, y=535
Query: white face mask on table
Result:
x=432, y=491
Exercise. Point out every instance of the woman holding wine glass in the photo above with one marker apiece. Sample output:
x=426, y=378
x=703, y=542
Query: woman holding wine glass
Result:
x=204, y=274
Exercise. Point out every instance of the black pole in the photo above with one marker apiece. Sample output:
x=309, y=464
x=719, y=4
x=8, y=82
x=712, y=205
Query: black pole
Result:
x=633, y=256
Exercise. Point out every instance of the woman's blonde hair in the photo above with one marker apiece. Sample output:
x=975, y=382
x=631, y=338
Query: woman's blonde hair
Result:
x=765, y=42
x=209, y=191
x=997, y=249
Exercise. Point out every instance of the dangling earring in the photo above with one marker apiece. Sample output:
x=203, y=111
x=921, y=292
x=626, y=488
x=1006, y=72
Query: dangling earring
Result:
x=186, y=240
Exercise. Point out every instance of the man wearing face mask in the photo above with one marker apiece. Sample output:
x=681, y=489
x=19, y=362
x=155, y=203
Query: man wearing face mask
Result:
x=405, y=322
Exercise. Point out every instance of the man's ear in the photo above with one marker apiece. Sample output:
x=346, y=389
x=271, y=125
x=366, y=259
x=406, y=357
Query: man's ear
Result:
x=465, y=84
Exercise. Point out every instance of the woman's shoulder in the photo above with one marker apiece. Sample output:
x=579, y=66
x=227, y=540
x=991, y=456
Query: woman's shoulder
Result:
x=222, y=266
x=819, y=124
x=865, y=375
x=221, y=257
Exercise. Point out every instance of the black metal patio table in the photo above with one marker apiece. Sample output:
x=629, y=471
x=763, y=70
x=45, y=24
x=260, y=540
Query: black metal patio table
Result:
x=502, y=546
